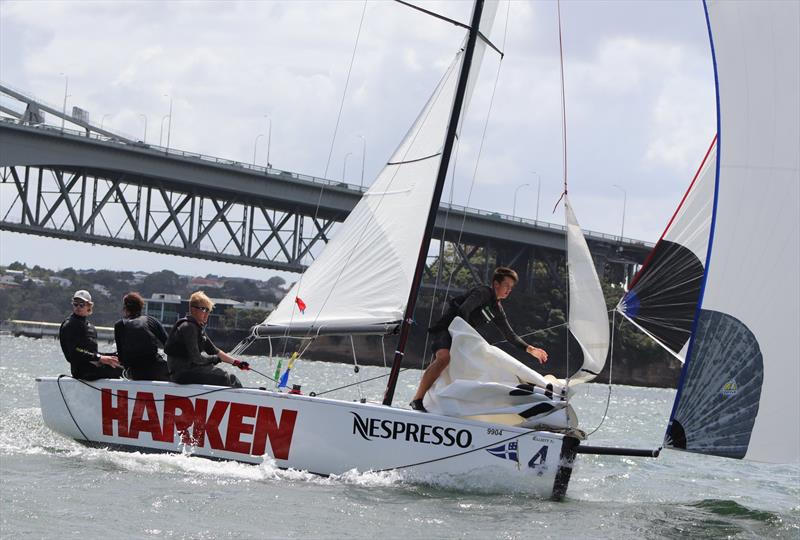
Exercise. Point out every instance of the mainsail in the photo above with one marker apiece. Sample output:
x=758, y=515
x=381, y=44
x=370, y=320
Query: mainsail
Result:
x=662, y=297
x=363, y=277
x=738, y=395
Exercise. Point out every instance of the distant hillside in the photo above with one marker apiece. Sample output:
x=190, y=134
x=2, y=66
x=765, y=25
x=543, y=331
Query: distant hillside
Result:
x=44, y=295
x=40, y=294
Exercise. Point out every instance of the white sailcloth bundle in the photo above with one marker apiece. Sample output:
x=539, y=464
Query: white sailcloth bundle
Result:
x=482, y=380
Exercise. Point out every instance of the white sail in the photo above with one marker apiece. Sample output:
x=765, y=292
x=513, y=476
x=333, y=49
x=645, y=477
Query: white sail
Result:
x=662, y=297
x=588, y=317
x=738, y=395
x=364, y=274
x=485, y=382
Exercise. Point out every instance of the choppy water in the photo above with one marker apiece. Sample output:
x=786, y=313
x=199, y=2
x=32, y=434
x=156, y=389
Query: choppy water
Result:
x=53, y=487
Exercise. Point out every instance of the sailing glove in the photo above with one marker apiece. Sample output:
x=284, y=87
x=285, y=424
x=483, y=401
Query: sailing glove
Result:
x=244, y=366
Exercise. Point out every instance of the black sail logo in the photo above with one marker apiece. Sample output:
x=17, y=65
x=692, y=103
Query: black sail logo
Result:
x=376, y=428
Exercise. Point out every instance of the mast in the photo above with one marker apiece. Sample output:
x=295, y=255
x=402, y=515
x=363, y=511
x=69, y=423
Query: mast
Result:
x=452, y=127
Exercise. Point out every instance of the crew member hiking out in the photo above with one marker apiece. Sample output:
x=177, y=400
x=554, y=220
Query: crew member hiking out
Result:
x=191, y=356
x=78, y=339
x=479, y=306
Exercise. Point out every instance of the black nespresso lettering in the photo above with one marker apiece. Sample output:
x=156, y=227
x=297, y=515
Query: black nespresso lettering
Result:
x=375, y=428
x=386, y=426
x=449, y=434
x=423, y=436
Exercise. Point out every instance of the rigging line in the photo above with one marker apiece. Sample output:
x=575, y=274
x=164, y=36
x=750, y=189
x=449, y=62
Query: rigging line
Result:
x=356, y=369
x=564, y=194
x=469, y=197
x=418, y=122
x=452, y=21
x=437, y=282
x=64, y=399
x=610, y=371
x=480, y=150
x=125, y=396
x=330, y=153
x=563, y=105
x=356, y=383
x=346, y=85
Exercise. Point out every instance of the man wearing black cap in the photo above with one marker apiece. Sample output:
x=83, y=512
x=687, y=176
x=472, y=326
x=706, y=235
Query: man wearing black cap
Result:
x=78, y=339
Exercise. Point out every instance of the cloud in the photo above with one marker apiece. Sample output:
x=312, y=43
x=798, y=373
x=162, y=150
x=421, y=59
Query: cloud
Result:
x=639, y=93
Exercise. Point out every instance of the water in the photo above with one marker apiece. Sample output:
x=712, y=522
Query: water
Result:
x=51, y=486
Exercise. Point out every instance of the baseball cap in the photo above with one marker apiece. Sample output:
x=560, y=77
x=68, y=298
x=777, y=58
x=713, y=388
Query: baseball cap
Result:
x=82, y=295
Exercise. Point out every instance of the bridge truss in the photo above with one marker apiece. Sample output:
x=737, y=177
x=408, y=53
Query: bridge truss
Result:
x=123, y=210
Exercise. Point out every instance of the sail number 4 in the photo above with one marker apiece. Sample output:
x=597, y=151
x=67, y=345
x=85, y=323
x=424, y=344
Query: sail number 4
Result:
x=494, y=431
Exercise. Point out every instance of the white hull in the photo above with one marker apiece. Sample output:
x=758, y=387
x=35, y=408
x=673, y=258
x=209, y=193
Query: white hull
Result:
x=318, y=435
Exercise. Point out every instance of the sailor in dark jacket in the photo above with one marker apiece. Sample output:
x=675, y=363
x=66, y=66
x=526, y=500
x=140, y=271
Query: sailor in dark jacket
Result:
x=78, y=339
x=479, y=306
x=138, y=339
x=191, y=355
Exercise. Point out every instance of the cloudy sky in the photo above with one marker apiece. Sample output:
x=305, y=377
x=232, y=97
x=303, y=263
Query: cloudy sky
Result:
x=639, y=94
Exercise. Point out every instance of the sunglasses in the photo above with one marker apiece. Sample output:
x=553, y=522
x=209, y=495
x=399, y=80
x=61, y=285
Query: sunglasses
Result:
x=203, y=309
x=79, y=304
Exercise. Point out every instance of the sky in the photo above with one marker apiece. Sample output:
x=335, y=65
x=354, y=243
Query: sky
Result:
x=639, y=94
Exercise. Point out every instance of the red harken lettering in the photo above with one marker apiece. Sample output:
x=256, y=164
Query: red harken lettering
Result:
x=180, y=414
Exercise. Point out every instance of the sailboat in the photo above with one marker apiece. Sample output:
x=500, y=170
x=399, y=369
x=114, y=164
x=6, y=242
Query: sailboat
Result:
x=366, y=281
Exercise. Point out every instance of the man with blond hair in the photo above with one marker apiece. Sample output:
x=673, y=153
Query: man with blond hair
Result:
x=191, y=356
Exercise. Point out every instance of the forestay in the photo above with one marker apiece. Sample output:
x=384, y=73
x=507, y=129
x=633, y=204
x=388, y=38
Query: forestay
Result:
x=738, y=395
x=588, y=317
x=662, y=297
x=363, y=276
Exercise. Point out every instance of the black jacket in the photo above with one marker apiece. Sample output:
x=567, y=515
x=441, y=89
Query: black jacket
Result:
x=138, y=340
x=478, y=307
x=185, y=347
x=78, y=339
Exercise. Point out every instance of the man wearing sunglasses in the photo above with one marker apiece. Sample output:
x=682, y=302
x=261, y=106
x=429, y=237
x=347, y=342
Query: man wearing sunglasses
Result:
x=78, y=339
x=191, y=355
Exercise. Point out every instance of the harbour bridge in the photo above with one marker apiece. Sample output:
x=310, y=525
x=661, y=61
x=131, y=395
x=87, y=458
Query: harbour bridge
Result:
x=89, y=184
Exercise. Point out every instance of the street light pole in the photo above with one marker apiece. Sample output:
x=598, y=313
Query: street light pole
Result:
x=538, y=193
x=144, y=139
x=64, y=110
x=344, y=167
x=103, y=119
x=255, y=147
x=363, y=157
x=624, y=205
x=161, y=133
x=514, y=208
x=269, y=139
x=169, y=126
